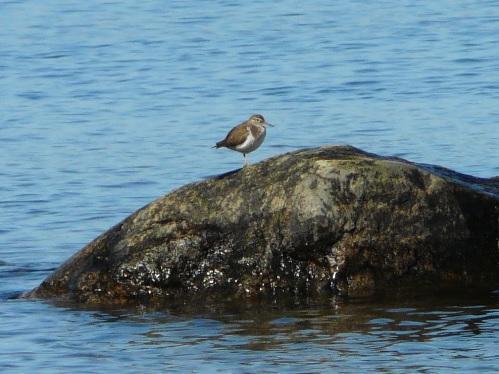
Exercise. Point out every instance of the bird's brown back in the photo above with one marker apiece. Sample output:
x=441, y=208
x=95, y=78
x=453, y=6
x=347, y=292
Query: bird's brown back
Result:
x=236, y=136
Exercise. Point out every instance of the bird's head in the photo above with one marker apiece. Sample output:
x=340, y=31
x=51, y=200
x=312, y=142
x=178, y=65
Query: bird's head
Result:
x=258, y=119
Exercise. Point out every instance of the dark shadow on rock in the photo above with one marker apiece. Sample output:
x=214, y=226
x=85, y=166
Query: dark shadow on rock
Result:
x=223, y=175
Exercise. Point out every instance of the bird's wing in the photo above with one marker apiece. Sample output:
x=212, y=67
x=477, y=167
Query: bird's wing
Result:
x=236, y=136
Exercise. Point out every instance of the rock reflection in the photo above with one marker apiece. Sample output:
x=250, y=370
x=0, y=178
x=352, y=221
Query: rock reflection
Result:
x=283, y=323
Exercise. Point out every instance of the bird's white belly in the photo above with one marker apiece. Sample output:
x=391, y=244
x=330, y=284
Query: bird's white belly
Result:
x=251, y=143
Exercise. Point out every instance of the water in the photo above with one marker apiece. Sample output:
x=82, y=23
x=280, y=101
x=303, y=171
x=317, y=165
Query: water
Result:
x=105, y=106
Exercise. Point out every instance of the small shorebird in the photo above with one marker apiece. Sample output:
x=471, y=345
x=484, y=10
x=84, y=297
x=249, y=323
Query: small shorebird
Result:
x=246, y=137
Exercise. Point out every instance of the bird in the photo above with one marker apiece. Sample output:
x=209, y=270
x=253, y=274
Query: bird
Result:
x=246, y=137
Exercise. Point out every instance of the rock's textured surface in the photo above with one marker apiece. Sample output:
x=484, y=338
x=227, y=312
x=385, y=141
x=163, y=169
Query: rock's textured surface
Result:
x=328, y=219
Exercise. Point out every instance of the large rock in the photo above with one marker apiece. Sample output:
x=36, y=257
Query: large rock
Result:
x=322, y=220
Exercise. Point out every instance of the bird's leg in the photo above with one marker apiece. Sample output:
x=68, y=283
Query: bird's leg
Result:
x=245, y=160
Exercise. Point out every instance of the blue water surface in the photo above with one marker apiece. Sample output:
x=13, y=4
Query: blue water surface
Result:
x=104, y=106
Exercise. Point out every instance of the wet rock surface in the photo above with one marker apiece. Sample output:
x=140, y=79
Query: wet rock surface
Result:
x=324, y=220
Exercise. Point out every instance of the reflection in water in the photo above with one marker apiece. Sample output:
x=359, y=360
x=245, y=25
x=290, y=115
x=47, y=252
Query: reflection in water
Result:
x=405, y=332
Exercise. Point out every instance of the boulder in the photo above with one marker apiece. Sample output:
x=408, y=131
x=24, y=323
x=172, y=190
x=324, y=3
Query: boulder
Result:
x=327, y=220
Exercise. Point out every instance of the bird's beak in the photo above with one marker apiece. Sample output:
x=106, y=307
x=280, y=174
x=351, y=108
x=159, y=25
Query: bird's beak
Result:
x=269, y=124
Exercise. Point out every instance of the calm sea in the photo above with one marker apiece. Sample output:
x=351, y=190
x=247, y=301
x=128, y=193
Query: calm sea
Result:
x=106, y=105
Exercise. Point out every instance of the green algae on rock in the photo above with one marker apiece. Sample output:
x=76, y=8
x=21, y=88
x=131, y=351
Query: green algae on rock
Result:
x=332, y=219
